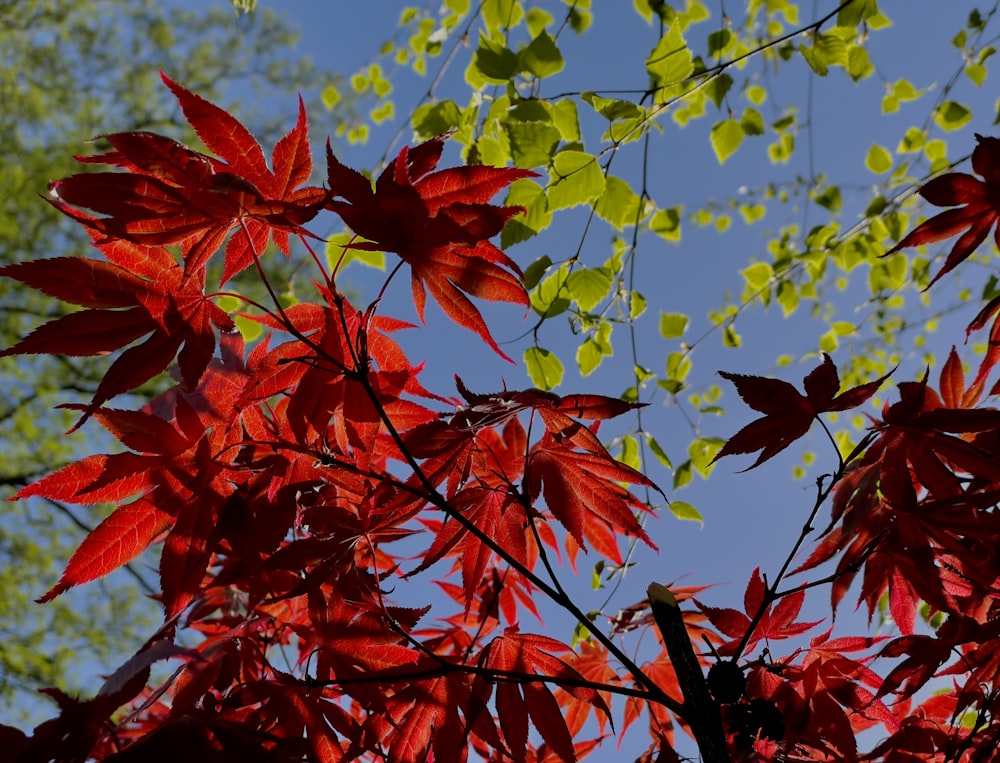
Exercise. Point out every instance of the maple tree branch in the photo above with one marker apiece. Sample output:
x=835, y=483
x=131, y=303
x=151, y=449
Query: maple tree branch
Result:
x=492, y=674
x=653, y=692
x=435, y=498
x=771, y=593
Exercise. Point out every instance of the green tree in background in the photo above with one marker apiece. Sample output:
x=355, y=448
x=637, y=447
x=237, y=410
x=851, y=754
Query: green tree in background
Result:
x=70, y=71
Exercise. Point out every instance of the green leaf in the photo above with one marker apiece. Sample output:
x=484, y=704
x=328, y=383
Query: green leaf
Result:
x=879, y=159
x=673, y=325
x=666, y=223
x=684, y=510
x=854, y=13
x=544, y=368
x=702, y=450
x=566, y=119
x=535, y=218
x=537, y=20
x=577, y=179
x=502, y=14
x=827, y=50
x=752, y=122
x=494, y=61
x=717, y=88
x=671, y=61
x=859, y=65
x=433, y=119
x=588, y=287
x=534, y=272
x=636, y=304
x=630, y=452
x=619, y=204
x=551, y=297
x=976, y=73
x=531, y=143
x=758, y=275
x=658, y=451
x=542, y=57
x=331, y=97
x=612, y=108
x=592, y=352
x=726, y=138
x=951, y=116
x=336, y=253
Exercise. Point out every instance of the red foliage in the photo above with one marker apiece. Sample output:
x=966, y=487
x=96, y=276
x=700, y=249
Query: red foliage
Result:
x=278, y=478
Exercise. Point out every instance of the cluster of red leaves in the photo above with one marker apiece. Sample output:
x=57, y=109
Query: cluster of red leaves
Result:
x=275, y=478
x=915, y=517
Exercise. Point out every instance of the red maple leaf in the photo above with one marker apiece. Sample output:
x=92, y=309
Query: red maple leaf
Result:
x=439, y=223
x=533, y=655
x=788, y=413
x=977, y=205
x=776, y=622
x=140, y=291
x=169, y=194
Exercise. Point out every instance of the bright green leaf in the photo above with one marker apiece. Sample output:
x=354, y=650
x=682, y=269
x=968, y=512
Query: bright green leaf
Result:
x=619, y=204
x=666, y=223
x=879, y=159
x=494, y=61
x=951, y=115
x=544, y=367
x=588, y=287
x=576, y=179
x=671, y=61
x=542, y=57
x=684, y=510
x=673, y=325
x=726, y=138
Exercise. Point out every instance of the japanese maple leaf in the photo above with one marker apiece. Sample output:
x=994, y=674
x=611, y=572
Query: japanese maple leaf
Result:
x=140, y=291
x=976, y=202
x=517, y=703
x=582, y=490
x=168, y=193
x=439, y=223
x=776, y=622
x=788, y=414
x=497, y=515
x=174, y=481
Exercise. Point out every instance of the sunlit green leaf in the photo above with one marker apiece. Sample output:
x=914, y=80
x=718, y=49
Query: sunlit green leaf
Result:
x=588, y=287
x=671, y=61
x=544, y=367
x=576, y=179
x=726, y=138
x=684, y=510
x=494, y=61
x=951, y=115
x=619, y=204
x=542, y=57
x=879, y=159
x=673, y=325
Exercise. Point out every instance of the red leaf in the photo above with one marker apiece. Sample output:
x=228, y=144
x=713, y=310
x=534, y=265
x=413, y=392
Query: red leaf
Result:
x=169, y=194
x=115, y=542
x=978, y=215
x=788, y=413
x=439, y=223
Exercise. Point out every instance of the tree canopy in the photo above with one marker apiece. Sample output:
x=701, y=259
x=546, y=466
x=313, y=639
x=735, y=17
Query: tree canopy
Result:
x=307, y=481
